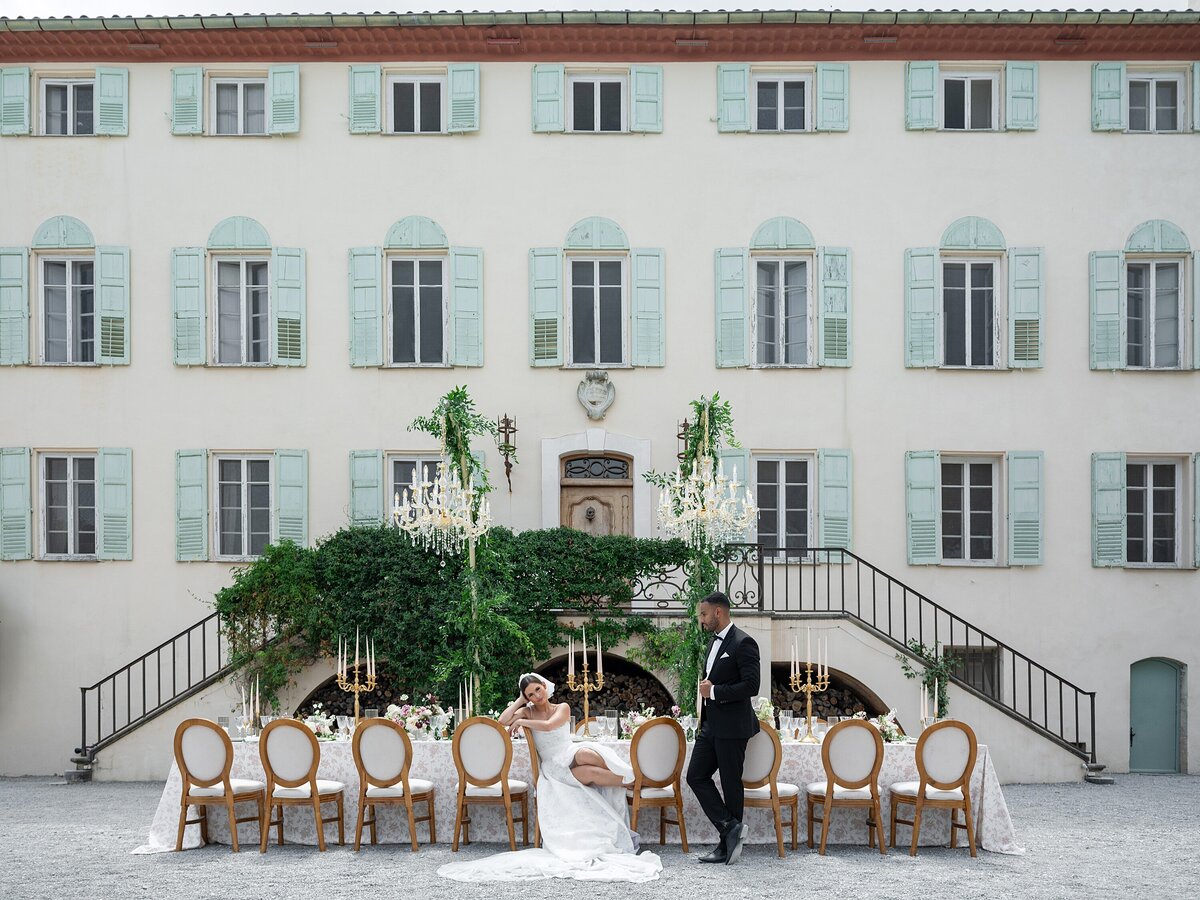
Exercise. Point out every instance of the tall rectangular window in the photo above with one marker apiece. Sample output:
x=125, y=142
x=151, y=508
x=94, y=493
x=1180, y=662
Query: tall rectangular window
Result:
x=240, y=106
x=69, y=505
x=243, y=505
x=68, y=107
x=968, y=493
x=597, y=103
x=1154, y=312
x=402, y=468
x=69, y=311
x=417, y=104
x=969, y=102
x=1152, y=512
x=782, y=103
x=243, y=312
x=969, y=313
x=781, y=312
x=418, y=312
x=1155, y=103
x=783, y=491
x=979, y=667
x=597, y=312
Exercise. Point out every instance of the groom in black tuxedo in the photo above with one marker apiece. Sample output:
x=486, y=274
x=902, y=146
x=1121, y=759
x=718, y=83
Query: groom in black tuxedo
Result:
x=727, y=722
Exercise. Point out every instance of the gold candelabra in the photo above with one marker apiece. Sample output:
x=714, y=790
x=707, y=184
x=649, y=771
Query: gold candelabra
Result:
x=585, y=684
x=809, y=687
x=356, y=686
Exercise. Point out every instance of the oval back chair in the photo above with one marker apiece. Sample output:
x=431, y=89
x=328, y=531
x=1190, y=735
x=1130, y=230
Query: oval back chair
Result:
x=383, y=756
x=290, y=756
x=657, y=754
x=760, y=779
x=852, y=755
x=946, y=753
x=483, y=754
x=204, y=755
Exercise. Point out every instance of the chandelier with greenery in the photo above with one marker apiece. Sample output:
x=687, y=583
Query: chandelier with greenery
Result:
x=441, y=515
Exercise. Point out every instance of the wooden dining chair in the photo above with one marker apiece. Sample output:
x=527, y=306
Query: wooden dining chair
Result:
x=760, y=779
x=534, y=763
x=946, y=754
x=204, y=755
x=657, y=755
x=483, y=756
x=852, y=755
x=290, y=756
x=590, y=720
x=383, y=756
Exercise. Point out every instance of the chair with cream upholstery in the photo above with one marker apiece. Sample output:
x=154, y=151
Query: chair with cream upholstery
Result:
x=945, y=760
x=760, y=778
x=290, y=756
x=483, y=755
x=852, y=754
x=533, y=766
x=582, y=723
x=657, y=755
x=204, y=755
x=383, y=754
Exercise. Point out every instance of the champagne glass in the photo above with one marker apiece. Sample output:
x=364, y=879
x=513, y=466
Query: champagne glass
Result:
x=689, y=725
x=572, y=725
x=612, y=716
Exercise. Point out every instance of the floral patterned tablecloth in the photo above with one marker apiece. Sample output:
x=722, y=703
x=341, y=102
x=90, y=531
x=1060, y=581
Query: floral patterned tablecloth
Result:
x=434, y=761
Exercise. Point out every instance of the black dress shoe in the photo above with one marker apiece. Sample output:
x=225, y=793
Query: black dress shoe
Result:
x=716, y=855
x=732, y=842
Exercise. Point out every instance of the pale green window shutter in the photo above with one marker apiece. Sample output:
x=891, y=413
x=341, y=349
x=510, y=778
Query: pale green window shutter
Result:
x=833, y=97
x=733, y=308
x=115, y=503
x=1108, y=509
x=1106, y=281
x=922, y=469
x=366, y=306
x=1026, y=507
x=1196, y=509
x=112, y=284
x=545, y=306
x=836, y=500
x=549, y=98
x=1110, y=110
x=1021, y=96
x=1195, y=308
x=646, y=97
x=14, y=306
x=647, y=306
x=1196, y=96
x=14, y=100
x=283, y=99
x=291, y=496
x=288, y=303
x=1026, y=279
x=112, y=101
x=191, y=505
x=187, y=100
x=735, y=463
x=920, y=96
x=733, y=97
x=466, y=306
x=463, y=90
x=833, y=328
x=367, y=500
x=187, y=305
x=366, y=90
x=16, y=510
x=922, y=306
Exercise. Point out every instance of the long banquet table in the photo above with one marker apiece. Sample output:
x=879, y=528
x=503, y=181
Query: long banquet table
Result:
x=434, y=761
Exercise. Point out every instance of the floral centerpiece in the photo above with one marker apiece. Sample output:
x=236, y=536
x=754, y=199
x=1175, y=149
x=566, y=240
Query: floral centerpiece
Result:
x=632, y=721
x=764, y=710
x=417, y=718
x=888, y=729
x=321, y=723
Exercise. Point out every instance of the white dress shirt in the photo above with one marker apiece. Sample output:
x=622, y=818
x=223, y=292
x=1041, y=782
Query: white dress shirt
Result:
x=712, y=655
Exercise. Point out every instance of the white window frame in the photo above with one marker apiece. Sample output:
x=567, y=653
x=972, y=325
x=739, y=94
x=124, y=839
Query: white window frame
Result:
x=1180, y=78
x=782, y=457
x=810, y=317
x=70, y=81
x=971, y=74
x=598, y=78
x=43, y=506
x=242, y=259
x=417, y=259
x=389, y=466
x=1181, y=468
x=1151, y=321
x=215, y=501
x=41, y=260
x=393, y=78
x=998, y=509
x=569, y=316
x=999, y=308
x=806, y=77
x=241, y=81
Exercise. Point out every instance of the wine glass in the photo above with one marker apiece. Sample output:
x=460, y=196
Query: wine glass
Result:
x=245, y=726
x=689, y=724
x=612, y=716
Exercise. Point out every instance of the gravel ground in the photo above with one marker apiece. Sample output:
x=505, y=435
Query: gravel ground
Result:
x=1130, y=839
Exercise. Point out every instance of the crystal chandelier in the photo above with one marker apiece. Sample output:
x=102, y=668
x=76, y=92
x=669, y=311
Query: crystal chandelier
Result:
x=706, y=509
x=441, y=515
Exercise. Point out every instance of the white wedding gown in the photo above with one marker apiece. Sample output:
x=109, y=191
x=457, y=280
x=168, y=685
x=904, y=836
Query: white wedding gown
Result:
x=585, y=829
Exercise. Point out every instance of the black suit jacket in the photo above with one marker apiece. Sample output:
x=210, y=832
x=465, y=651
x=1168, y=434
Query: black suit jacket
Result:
x=735, y=678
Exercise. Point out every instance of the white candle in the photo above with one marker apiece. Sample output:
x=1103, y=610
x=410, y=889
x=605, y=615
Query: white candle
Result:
x=257, y=695
x=808, y=646
x=571, y=656
x=937, y=696
x=599, y=660
x=356, y=648
x=826, y=663
x=371, y=657
x=460, y=704
x=583, y=650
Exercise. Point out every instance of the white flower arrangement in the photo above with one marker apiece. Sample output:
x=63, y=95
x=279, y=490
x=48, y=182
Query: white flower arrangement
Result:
x=416, y=719
x=320, y=722
x=888, y=729
x=631, y=722
x=764, y=710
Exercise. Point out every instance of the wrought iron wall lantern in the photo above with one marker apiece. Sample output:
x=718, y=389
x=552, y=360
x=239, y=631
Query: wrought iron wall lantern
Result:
x=506, y=443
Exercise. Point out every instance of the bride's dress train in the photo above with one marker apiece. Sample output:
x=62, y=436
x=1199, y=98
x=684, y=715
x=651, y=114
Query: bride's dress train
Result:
x=585, y=829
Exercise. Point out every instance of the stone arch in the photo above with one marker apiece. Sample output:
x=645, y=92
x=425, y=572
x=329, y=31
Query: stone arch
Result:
x=852, y=694
x=782, y=233
x=596, y=233
x=972, y=233
x=239, y=233
x=1157, y=236
x=416, y=233
x=62, y=233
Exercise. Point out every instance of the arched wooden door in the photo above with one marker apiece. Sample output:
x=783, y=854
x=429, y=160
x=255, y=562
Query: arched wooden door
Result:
x=596, y=493
x=1154, y=716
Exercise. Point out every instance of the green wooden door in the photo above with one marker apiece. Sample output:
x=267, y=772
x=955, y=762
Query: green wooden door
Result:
x=1153, y=716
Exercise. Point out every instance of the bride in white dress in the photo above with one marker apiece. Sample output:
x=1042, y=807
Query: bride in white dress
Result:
x=581, y=805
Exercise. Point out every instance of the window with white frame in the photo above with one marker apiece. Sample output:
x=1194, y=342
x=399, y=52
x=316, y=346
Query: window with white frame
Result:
x=597, y=325
x=969, y=491
x=782, y=102
x=416, y=104
x=68, y=504
x=1156, y=101
x=1154, y=312
x=401, y=469
x=243, y=502
x=1152, y=498
x=243, y=332
x=597, y=103
x=970, y=100
x=782, y=312
x=979, y=667
x=68, y=310
x=68, y=106
x=784, y=491
x=239, y=105
x=417, y=311
x=969, y=313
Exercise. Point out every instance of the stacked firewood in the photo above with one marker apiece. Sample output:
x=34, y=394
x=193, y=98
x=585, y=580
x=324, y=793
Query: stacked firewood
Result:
x=839, y=700
x=627, y=689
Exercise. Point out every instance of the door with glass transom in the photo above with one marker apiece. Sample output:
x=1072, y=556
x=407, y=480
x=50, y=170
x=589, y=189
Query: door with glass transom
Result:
x=1154, y=716
x=596, y=493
